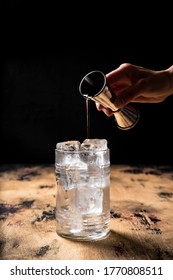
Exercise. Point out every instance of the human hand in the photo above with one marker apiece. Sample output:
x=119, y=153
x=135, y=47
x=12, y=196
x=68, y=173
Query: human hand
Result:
x=131, y=83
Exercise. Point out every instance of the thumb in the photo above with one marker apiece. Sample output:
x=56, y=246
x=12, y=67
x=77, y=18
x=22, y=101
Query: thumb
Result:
x=123, y=99
x=127, y=96
x=120, y=102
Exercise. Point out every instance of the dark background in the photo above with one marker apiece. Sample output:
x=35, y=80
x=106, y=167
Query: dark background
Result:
x=46, y=51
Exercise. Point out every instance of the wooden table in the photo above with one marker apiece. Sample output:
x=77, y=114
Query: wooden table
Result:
x=141, y=216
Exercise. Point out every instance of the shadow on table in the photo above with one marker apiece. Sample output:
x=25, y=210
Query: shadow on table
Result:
x=118, y=246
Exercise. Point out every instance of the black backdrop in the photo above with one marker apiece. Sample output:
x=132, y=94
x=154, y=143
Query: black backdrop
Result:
x=42, y=67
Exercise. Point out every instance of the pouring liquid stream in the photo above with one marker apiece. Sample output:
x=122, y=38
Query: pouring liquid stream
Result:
x=88, y=117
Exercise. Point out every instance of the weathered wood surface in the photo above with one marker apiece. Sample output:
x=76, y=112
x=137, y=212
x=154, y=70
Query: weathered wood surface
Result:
x=141, y=216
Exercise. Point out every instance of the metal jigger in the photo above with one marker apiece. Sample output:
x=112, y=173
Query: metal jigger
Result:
x=94, y=86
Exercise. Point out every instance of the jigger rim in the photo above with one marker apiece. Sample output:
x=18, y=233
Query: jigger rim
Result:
x=84, y=78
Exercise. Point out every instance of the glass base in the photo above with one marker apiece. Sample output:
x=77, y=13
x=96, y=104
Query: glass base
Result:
x=90, y=237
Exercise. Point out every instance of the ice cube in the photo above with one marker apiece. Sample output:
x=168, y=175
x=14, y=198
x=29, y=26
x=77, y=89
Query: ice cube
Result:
x=68, y=159
x=96, y=152
x=89, y=199
x=67, y=153
x=94, y=144
x=71, y=145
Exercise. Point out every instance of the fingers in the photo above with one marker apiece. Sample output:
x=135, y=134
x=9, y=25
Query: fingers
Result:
x=118, y=75
x=107, y=111
x=130, y=95
x=146, y=99
x=98, y=106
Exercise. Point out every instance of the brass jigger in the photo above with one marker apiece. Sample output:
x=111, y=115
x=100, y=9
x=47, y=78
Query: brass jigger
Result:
x=94, y=86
